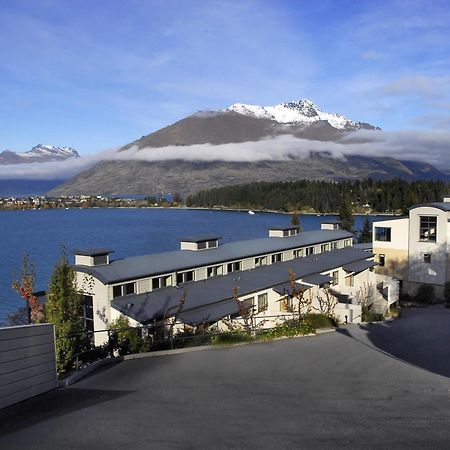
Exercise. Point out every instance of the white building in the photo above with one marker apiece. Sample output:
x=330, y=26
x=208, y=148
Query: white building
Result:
x=212, y=278
x=415, y=249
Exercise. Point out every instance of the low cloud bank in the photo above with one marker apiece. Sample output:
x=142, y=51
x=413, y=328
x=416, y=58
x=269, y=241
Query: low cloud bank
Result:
x=428, y=146
x=431, y=146
x=53, y=170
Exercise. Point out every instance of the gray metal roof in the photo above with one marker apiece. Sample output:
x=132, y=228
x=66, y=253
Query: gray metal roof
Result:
x=359, y=266
x=209, y=297
x=317, y=279
x=287, y=288
x=161, y=263
x=364, y=245
x=293, y=227
x=444, y=206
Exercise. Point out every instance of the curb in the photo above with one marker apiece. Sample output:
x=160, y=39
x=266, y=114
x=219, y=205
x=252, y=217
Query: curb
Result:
x=77, y=376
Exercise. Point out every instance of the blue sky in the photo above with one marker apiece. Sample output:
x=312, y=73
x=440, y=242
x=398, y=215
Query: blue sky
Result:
x=94, y=74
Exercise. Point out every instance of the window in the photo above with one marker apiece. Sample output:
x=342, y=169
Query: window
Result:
x=428, y=228
x=201, y=245
x=214, y=271
x=334, y=245
x=324, y=247
x=298, y=253
x=261, y=261
x=262, y=302
x=233, y=267
x=427, y=258
x=350, y=280
x=212, y=244
x=381, y=259
x=286, y=304
x=309, y=251
x=117, y=291
x=348, y=243
x=184, y=277
x=156, y=283
x=124, y=289
x=100, y=260
x=383, y=234
x=88, y=312
x=277, y=257
x=335, y=276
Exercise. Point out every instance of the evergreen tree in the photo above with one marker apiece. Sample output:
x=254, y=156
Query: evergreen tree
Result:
x=346, y=214
x=366, y=233
x=64, y=308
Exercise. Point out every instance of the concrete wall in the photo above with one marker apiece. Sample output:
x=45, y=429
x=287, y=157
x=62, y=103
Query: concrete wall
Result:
x=27, y=362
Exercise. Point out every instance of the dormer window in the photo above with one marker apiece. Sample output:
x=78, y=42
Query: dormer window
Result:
x=196, y=243
x=92, y=257
x=283, y=231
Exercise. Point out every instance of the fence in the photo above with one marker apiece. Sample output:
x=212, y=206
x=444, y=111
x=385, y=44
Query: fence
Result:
x=27, y=362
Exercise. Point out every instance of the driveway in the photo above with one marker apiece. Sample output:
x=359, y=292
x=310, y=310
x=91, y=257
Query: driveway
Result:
x=376, y=386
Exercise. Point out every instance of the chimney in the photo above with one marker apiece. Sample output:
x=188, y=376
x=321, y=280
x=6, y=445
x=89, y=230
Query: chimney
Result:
x=197, y=243
x=92, y=257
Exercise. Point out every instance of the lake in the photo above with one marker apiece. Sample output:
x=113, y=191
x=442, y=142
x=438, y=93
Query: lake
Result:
x=42, y=234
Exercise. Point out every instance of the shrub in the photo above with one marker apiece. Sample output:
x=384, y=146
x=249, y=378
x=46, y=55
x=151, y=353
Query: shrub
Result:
x=231, y=338
x=320, y=321
x=126, y=339
x=369, y=316
x=425, y=294
x=290, y=328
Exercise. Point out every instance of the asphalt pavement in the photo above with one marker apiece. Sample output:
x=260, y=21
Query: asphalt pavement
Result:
x=370, y=386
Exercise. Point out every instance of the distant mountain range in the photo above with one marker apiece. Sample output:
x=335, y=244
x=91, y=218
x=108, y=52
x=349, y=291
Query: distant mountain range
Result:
x=148, y=165
x=39, y=153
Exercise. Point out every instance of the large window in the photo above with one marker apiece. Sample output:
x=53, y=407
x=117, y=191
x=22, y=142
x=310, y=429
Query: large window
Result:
x=428, y=228
x=383, y=234
x=298, y=253
x=88, y=312
x=262, y=302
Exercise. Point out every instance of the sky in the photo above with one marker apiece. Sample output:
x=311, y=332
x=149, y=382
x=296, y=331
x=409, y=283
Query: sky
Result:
x=98, y=74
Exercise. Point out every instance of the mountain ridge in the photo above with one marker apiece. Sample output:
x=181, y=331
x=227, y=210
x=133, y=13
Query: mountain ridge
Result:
x=39, y=153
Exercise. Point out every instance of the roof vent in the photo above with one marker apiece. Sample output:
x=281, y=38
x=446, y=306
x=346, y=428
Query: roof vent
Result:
x=196, y=243
x=283, y=231
x=331, y=225
x=92, y=257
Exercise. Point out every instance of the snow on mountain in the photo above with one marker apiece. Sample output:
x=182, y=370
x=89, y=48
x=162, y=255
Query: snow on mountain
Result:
x=39, y=153
x=50, y=151
x=302, y=112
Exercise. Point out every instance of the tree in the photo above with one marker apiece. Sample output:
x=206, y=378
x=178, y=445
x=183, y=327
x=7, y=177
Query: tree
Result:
x=365, y=236
x=64, y=308
x=25, y=287
x=346, y=214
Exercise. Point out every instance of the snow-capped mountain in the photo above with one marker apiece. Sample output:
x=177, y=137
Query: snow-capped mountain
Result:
x=39, y=153
x=302, y=112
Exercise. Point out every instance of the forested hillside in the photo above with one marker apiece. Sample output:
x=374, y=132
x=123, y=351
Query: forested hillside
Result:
x=323, y=196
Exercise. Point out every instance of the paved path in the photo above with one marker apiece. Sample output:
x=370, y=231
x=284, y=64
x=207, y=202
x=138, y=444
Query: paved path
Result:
x=380, y=386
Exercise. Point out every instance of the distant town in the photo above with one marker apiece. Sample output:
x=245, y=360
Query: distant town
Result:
x=85, y=201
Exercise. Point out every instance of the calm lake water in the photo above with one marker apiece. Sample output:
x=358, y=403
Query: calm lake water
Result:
x=42, y=234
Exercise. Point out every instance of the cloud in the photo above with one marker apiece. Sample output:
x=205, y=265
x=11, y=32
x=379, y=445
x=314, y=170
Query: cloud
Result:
x=52, y=170
x=419, y=85
x=428, y=146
